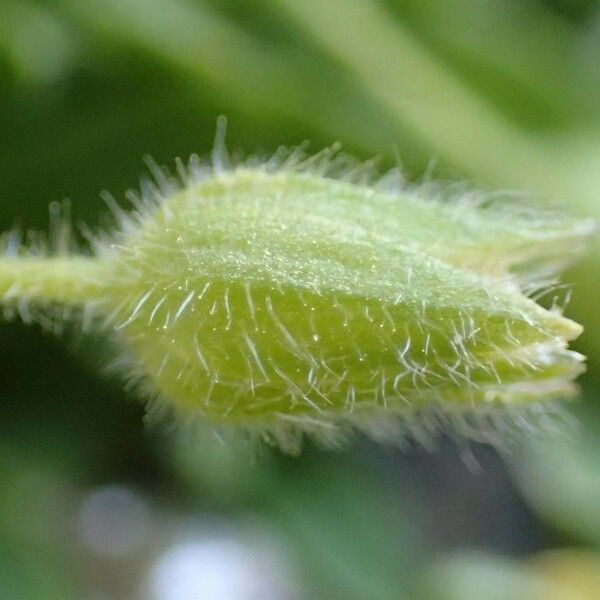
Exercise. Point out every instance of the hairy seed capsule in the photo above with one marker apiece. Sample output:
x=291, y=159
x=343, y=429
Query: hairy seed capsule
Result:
x=285, y=300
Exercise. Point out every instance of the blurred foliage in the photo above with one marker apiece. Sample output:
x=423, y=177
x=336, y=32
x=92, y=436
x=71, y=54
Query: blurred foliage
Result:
x=562, y=479
x=501, y=92
x=565, y=574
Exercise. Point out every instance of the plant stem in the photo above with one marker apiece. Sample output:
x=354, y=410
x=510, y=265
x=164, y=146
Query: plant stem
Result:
x=66, y=280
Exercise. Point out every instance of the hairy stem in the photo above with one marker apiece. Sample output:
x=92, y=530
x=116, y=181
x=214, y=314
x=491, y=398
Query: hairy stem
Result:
x=65, y=280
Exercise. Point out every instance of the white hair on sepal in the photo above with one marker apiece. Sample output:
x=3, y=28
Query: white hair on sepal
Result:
x=219, y=154
x=504, y=427
x=460, y=199
x=391, y=182
x=309, y=296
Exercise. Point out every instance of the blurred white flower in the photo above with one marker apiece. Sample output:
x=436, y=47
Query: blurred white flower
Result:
x=114, y=521
x=222, y=566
